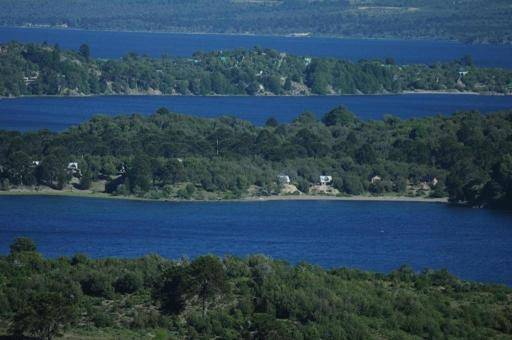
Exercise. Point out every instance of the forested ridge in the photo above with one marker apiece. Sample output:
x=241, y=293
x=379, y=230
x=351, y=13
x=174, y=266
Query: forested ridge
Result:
x=463, y=20
x=467, y=157
x=29, y=69
x=234, y=298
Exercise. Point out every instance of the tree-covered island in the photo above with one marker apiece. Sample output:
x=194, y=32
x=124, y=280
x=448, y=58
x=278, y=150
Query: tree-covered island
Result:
x=29, y=69
x=238, y=298
x=466, y=157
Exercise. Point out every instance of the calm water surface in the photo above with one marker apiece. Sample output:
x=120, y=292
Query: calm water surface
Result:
x=117, y=44
x=472, y=243
x=58, y=113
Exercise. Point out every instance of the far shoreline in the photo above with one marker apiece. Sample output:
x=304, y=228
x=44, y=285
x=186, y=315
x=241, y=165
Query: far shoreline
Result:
x=295, y=35
x=253, y=199
x=403, y=93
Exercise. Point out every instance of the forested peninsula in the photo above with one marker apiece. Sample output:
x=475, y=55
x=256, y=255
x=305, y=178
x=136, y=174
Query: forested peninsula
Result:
x=483, y=21
x=466, y=157
x=238, y=298
x=29, y=69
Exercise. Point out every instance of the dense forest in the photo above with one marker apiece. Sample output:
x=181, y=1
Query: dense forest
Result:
x=233, y=298
x=47, y=70
x=463, y=20
x=467, y=157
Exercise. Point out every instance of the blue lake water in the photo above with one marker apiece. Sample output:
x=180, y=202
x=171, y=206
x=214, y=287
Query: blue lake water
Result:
x=379, y=236
x=57, y=113
x=116, y=44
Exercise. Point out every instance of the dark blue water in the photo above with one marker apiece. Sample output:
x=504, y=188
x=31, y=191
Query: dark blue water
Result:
x=380, y=236
x=116, y=44
x=58, y=113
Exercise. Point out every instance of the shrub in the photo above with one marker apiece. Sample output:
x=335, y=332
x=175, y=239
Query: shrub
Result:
x=129, y=283
x=97, y=284
x=102, y=319
x=22, y=244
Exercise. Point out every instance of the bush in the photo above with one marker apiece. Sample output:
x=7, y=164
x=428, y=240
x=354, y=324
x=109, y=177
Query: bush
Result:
x=352, y=185
x=98, y=284
x=102, y=319
x=129, y=283
x=147, y=319
x=4, y=184
x=22, y=244
x=44, y=314
x=78, y=259
x=85, y=182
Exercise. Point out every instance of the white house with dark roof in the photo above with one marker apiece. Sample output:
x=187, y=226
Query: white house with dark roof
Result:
x=74, y=169
x=325, y=180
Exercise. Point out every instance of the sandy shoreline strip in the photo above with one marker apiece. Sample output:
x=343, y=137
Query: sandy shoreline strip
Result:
x=245, y=199
x=142, y=94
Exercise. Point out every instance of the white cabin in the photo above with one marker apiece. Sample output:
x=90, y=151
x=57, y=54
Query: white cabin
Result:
x=324, y=180
x=73, y=166
x=73, y=169
x=376, y=179
x=283, y=179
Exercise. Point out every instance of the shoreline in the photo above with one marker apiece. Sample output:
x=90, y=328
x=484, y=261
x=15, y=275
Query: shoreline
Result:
x=296, y=35
x=403, y=93
x=97, y=195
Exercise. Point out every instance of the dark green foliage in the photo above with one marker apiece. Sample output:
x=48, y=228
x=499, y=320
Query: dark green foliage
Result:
x=207, y=279
x=352, y=185
x=475, y=20
x=252, y=298
x=129, y=283
x=139, y=174
x=43, y=315
x=339, y=116
x=45, y=70
x=85, y=51
x=85, y=181
x=97, y=284
x=271, y=122
x=22, y=244
x=467, y=156
x=172, y=289
x=45, y=309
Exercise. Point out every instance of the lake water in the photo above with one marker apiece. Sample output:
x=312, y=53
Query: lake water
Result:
x=57, y=113
x=379, y=236
x=116, y=44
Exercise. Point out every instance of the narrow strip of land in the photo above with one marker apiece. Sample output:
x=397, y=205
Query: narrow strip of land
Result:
x=31, y=69
x=303, y=197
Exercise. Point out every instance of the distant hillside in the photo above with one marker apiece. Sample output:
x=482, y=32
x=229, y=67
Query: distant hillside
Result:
x=463, y=20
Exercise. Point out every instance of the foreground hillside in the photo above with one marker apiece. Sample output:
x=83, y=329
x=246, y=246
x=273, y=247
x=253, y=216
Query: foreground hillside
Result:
x=47, y=70
x=466, y=157
x=233, y=298
x=463, y=20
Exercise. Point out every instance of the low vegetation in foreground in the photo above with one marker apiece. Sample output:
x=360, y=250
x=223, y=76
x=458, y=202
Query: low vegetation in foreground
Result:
x=48, y=70
x=466, y=157
x=233, y=298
